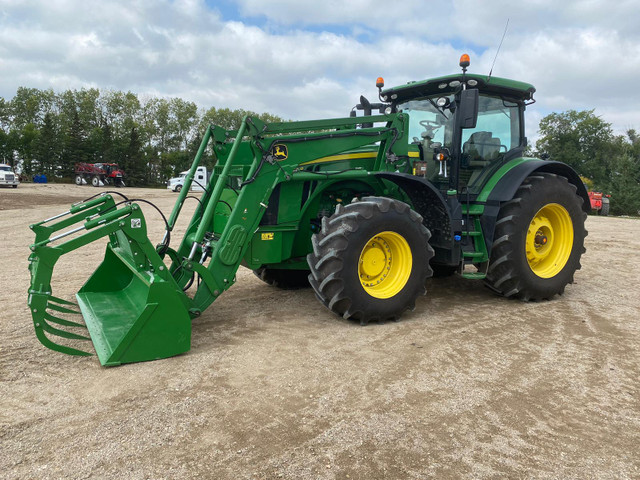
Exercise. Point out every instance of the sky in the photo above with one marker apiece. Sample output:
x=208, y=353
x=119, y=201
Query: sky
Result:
x=305, y=60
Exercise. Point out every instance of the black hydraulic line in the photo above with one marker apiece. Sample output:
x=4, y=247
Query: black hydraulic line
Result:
x=195, y=198
x=200, y=185
x=167, y=241
x=102, y=193
x=329, y=173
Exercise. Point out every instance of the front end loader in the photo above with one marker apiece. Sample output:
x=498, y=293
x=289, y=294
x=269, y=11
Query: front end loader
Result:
x=363, y=209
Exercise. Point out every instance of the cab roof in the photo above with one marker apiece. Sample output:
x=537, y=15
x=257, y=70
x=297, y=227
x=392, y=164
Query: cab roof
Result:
x=446, y=85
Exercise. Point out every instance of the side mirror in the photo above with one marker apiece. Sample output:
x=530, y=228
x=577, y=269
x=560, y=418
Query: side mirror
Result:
x=468, y=111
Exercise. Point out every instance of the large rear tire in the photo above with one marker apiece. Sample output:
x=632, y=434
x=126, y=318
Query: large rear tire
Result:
x=605, y=207
x=539, y=239
x=78, y=179
x=284, y=279
x=95, y=181
x=370, y=260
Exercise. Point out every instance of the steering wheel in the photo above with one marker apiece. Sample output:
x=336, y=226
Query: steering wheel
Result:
x=429, y=123
x=430, y=128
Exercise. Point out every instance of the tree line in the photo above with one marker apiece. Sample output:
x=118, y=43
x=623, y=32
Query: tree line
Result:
x=153, y=138
x=607, y=162
x=44, y=132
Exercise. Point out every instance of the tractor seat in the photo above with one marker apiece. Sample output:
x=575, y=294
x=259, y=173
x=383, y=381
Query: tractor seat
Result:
x=481, y=149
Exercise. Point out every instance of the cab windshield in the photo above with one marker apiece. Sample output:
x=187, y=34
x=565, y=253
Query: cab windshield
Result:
x=428, y=121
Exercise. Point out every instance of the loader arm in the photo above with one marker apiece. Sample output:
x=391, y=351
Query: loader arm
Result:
x=303, y=142
x=135, y=307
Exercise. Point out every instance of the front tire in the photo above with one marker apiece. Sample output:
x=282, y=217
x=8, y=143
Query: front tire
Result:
x=78, y=179
x=605, y=207
x=370, y=260
x=539, y=239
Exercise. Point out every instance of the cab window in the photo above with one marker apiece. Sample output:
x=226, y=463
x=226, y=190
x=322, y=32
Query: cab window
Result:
x=497, y=132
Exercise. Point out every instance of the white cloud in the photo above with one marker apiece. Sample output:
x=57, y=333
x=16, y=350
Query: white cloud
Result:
x=306, y=60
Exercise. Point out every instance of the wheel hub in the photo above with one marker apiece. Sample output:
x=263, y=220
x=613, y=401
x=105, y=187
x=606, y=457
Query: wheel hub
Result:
x=549, y=240
x=384, y=266
x=376, y=259
x=541, y=239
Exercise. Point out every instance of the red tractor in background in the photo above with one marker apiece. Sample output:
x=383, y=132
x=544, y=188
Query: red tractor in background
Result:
x=599, y=202
x=94, y=173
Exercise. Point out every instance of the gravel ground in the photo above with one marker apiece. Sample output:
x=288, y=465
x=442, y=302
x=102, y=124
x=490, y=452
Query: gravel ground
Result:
x=469, y=385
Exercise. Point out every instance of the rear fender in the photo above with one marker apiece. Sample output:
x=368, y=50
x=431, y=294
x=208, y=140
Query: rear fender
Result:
x=508, y=184
x=503, y=186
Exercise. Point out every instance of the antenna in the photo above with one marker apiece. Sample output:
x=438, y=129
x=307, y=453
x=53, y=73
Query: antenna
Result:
x=498, y=51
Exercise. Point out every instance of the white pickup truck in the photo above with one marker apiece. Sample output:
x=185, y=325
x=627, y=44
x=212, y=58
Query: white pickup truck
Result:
x=7, y=176
x=200, y=180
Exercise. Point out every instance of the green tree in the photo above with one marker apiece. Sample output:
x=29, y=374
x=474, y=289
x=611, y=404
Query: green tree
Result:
x=580, y=139
x=132, y=160
x=26, y=147
x=624, y=184
x=74, y=149
x=48, y=146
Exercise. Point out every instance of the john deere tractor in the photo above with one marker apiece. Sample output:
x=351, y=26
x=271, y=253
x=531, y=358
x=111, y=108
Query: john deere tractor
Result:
x=430, y=181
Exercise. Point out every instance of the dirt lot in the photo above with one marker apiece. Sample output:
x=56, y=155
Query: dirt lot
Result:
x=468, y=386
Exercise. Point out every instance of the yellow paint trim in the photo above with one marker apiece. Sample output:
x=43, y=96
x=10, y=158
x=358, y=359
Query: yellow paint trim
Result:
x=351, y=156
x=346, y=156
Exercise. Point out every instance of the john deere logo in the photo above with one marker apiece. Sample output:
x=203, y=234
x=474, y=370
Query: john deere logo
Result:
x=280, y=152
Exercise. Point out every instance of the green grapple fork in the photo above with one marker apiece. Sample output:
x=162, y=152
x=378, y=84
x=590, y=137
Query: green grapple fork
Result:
x=132, y=307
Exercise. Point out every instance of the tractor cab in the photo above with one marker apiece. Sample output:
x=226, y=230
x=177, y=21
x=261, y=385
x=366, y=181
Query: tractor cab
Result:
x=463, y=142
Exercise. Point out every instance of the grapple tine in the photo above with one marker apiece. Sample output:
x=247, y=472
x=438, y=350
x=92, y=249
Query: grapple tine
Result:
x=58, y=308
x=44, y=340
x=62, y=321
x=62, y=333
x=59, y=300
x=38, y=304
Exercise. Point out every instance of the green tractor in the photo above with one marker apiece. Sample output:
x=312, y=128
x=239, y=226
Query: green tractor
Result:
x=430, y=181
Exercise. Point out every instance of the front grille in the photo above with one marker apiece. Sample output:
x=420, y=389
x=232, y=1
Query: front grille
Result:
x=9, y=177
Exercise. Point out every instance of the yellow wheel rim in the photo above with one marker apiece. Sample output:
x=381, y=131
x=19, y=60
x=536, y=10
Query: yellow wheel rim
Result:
x=549, y=240
x=385, y=265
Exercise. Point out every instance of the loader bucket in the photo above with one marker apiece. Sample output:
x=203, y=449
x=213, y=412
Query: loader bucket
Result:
x=131, y=317
x=132, y=307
